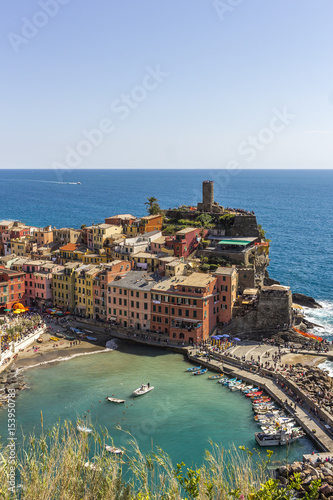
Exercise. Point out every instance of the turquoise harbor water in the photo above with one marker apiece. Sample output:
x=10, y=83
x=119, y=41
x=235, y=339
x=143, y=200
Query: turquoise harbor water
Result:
x=183, y=412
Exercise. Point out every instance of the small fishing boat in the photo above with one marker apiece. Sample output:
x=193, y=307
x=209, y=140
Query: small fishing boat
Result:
x=115, y=400
x=193, y=369
x=84, y=429
x=253, y=394
x=91, y=338
x=215, y=377
x=39, y=340
x=143, y=390
x=55, y=339
x=113, y=450
x=69, y=337
x=201, y=372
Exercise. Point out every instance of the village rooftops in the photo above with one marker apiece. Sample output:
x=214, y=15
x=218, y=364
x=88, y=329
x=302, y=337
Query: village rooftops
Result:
x=145, y=255
x=250, y=291
x=103, y=226
x=226, y=271
x=122, y=216
x=70, y=247
x=150, y=217
x=6, y=223
x=137, y=280
x=187, y=230
x=198, y=280
x=168, y=259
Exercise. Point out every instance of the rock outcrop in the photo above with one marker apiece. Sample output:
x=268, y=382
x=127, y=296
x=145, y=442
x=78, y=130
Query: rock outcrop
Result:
x=305, y=301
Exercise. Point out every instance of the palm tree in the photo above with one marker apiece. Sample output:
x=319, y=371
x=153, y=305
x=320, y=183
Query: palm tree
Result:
x=153, y=207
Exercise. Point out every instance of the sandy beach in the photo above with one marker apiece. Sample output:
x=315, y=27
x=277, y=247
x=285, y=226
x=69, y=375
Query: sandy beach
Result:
x=49, y=350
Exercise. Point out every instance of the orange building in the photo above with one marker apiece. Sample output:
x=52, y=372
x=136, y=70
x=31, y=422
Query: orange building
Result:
x=12, y=288
x=227, y=284
x=151, y=223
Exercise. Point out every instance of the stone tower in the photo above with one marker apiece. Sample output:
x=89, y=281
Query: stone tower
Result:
x=208, y=195
x=208, y=204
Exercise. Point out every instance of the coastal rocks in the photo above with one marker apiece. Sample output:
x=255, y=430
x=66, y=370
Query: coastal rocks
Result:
x=305, y=301
x=308, y=473
x=10, y=379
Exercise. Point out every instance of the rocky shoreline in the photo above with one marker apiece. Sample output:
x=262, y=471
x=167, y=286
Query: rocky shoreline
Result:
x=308, y=473
x=11, y=378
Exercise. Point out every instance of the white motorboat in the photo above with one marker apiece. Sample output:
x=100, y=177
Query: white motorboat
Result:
x=113, y=450
x=84, y=429
x=277, y=439
x=116, y=400
x=143, y=390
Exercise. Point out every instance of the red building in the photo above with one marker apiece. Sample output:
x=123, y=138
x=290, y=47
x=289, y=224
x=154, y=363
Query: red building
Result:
x=19, y=232
x=185, y=241
x=12, y=288
x=120, y=220
x=185, y=308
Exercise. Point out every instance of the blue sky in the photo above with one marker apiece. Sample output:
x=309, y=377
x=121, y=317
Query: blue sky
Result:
x=173, y=84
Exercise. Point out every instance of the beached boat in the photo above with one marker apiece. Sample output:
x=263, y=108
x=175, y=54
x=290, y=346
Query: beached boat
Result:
x=143, y=390
x=92, y=338
x=83, y=428
x=201, y=372
x=115, y=400
x=215, y=377
x=55, y=339
x=277, y=439
x=193, y=369
x=113, y=450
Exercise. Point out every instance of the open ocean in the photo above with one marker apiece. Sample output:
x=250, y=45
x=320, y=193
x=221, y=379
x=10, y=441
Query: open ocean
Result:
x=295, y=207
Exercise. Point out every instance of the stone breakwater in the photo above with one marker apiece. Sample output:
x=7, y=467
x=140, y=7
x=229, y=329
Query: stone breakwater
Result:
x=316, y=385
x=10, y=379
x=309, y=472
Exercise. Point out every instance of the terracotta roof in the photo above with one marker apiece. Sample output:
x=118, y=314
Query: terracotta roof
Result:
x=70, y=247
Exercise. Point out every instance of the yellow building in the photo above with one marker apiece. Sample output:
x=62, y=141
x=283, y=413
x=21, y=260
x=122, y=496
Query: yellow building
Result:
x=145, y=260
x=22, y=247
x=103, y=232
x=83, y=290
x=63, y=284
x=94, y=258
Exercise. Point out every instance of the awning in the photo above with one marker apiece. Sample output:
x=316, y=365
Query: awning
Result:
x=238, y=243
x=296, y=306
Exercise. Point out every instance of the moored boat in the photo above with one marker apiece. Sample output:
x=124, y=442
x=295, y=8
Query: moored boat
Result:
x=215, y=377
x=143, y=390
x=84, y=429
x=113, y=450
x=116, y=400
x=193, y=369
x=278, y=438
x=201, y=372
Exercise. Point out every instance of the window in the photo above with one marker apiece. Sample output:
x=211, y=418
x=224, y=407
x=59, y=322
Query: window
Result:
x=166, y=310
x=154, y=308
x=137, y=294
x=172, y=310
x=180, y=312
x=132, y=303
x=194, y=302
x=120, y=302
x=145, y=305
x=187, y=313
x=145, y=295
x=137, y=305
x=194, y=314
x=224, y=298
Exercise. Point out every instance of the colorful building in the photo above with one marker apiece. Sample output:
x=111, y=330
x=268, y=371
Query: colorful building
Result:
x=185, y=241
x=103, y=232
x=150, y=223
x=129, y=299
x=63, y=285
x=12, y=288
x=108, y=272
x=185, y=308
x=120, y=220
x=227, y=285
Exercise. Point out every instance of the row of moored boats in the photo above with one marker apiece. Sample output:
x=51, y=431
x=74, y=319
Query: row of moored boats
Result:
x=277, y=428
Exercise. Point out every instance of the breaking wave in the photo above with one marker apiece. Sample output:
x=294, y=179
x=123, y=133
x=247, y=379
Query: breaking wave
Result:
x=323, y=317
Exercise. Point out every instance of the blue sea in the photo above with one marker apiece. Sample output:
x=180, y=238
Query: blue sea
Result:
x=295, y=208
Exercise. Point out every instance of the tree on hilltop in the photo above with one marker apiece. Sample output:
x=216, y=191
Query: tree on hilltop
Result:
x=153, y=207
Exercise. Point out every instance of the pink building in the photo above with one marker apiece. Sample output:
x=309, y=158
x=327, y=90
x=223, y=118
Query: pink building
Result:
x=38, y=280
x=129, y=300
x=185, y=241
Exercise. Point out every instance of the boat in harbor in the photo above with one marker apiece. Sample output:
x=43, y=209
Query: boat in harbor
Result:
x=200, y=372
x=193, y=369
x=113, y=450
x=144, y=389
x=215, y=377
x=116, y=400
x=279, y=438
x=84, y=429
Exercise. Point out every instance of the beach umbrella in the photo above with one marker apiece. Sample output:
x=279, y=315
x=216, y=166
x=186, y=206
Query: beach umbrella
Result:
x=225, y=335
x=215, y=337
x=7, y=310
x=237, y=339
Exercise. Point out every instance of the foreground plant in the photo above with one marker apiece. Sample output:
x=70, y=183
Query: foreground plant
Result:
x=66, y=465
